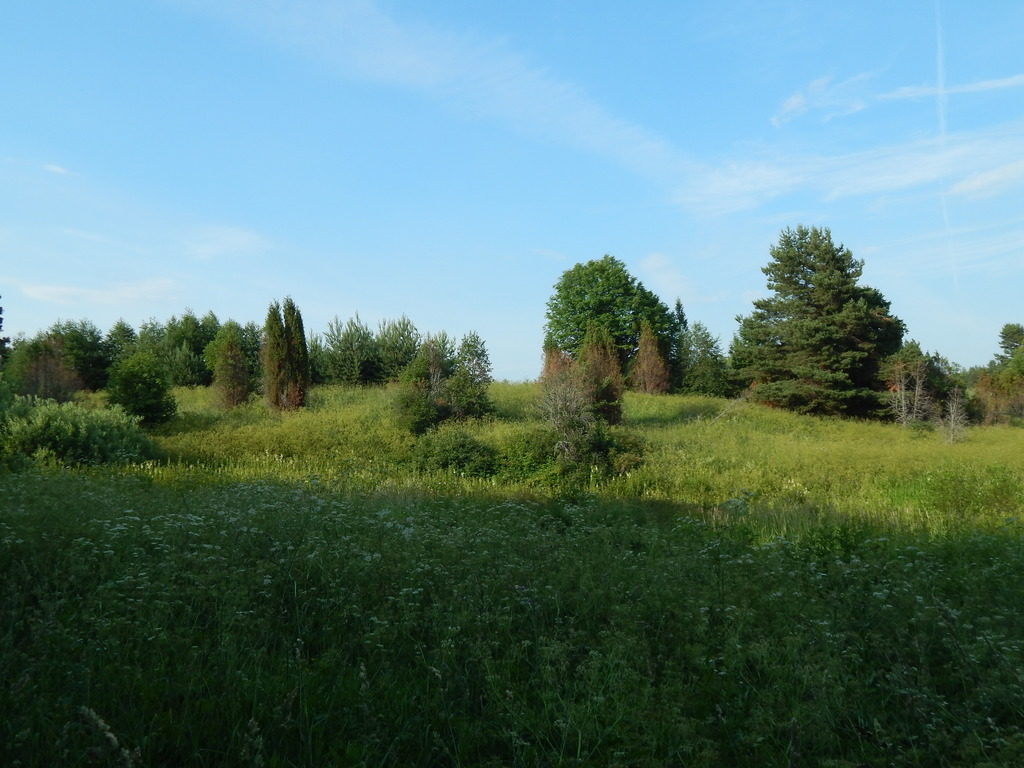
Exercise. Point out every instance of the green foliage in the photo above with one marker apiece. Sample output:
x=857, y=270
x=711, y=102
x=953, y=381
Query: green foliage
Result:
x=422, y=400
x=119, y=341
x=185, y=368
x=83, y=349
x=817, y=344
x=397, y=343
x=530, y=455
x=466, y=391
x=603, y=292
x=151, y=335
x=416, y=408
x=566, y=406
x=297, y=626
x=584, y=447
x=679, y=347
x=450, y=448
x=226, y=356
x=184, y=341
x=1000, y=387
x=601, y=374
x=650, y=372
x=39, y=368
x=71, y=435
x=318, y=362
x=138, y=383
x=285, y=357
x=352, y=354
x=296, y=359
x=706, y=372
x=918, y=383
x=1011, y=338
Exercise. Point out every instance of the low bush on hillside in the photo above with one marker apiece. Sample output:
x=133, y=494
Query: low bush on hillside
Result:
x=69, y=434
x=453, y=449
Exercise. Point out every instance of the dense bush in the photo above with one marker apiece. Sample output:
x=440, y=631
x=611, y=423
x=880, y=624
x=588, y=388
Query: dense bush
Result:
x=455, y=450
x=70, y=434
x=529, y=454
x=139, y=384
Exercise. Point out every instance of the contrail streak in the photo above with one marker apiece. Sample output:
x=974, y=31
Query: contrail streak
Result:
x=941, y=103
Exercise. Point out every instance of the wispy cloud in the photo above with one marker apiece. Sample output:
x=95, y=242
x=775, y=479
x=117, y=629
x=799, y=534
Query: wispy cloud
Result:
x=994, y=249
x=849, y=96
x=477, y=76
x=823, y=94
x=990, y=182
x=663, y=276
x=114, y=294
x=59, y=170
x=219, y=242
x=748, y=183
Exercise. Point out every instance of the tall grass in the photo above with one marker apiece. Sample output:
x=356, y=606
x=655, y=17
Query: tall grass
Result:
x=291, y=590
x=222, y=624
x=715, y=455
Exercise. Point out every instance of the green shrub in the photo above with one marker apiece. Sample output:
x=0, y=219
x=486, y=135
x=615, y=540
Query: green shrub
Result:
x=72, y=435
x=454, y=450
x=529, y=454
x=622, y=451
x=139, y=384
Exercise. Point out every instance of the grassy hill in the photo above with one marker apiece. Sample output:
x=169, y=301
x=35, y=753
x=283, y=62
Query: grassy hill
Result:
x=763, y=589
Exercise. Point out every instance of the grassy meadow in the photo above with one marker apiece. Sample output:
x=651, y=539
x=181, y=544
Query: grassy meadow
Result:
x=762, y=589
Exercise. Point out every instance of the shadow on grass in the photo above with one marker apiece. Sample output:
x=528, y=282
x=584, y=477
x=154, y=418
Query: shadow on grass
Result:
x=668, y=414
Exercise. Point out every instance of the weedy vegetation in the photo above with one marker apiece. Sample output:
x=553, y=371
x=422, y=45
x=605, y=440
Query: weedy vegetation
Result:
x=717, y=584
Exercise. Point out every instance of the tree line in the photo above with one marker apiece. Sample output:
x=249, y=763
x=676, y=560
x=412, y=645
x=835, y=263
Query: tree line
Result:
x=441, y=377
x=820, y=343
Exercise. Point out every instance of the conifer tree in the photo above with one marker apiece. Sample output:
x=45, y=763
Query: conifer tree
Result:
x=678, y=361
x=706, y=371
x=1011, y=338
x=119, y=341
x=296, y=360
x=352, y=355
x=273, y=354
x=817, y=343
x=650, y=373
x=600, y=367
x=226, y=356
x=81, y=345
x=184, y=341
x=397, y=344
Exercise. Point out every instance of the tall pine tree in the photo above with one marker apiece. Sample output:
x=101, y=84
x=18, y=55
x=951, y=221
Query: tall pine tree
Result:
x=817, y=343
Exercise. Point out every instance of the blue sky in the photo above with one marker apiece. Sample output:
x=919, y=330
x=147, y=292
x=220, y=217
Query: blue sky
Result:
x=450, y=159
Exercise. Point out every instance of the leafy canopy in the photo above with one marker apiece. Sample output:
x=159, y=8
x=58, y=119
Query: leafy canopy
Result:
x=602, y=291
